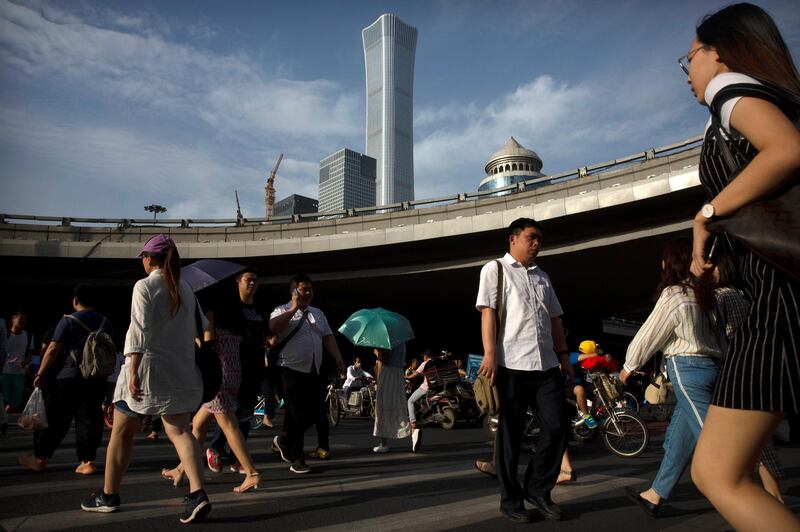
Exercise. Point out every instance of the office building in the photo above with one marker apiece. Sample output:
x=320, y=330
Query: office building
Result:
x=389, y=49
x=346, y=181
x=295, y=204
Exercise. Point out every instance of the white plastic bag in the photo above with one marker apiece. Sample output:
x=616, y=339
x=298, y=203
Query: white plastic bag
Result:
x=34, y=417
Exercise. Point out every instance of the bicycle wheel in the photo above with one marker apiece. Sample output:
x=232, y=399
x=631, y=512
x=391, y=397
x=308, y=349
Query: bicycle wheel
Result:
x=582, y=433
x=257, y=421
x=630, y=402
x=334, y=408
x=625, y=435
x=490, y=426
x=449, y=418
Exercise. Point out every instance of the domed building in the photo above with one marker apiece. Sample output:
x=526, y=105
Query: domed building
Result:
x=509, y=165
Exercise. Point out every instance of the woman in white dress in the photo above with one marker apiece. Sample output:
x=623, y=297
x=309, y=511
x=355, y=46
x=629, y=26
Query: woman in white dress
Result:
x=159, y=377
x=391, y=414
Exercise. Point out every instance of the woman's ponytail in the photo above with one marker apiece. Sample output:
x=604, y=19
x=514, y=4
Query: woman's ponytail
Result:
x=172, y=276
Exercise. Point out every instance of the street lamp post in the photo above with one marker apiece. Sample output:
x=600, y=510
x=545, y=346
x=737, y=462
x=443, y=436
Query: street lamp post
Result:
x=156, y=210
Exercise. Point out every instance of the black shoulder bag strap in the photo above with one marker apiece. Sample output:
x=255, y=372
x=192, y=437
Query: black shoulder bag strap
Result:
x=272, y=356
x=296, y=328
x=787, y=102
x=501, y=322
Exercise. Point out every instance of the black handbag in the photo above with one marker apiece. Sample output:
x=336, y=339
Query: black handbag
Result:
x=207, y=360
x=769, y=227
x=273, y=352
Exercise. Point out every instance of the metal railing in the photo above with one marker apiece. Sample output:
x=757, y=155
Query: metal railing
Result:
x=126, y=223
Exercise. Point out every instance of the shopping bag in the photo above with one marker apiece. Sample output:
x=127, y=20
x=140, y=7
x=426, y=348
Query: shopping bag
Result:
x=33, y=417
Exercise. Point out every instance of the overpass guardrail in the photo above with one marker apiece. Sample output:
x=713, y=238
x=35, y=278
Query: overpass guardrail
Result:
x=541, y=184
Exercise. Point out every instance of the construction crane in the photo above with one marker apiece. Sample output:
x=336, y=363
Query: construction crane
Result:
x=239, y=216
x=269, y=190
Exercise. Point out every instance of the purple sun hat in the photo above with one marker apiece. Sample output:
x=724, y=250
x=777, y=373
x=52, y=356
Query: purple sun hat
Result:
x=157, y=244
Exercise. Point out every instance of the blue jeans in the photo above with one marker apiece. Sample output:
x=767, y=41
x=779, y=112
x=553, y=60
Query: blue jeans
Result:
x=693, y=379
x=418, y=394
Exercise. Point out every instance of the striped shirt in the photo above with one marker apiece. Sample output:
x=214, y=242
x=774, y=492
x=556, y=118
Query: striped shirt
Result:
x=677, y=326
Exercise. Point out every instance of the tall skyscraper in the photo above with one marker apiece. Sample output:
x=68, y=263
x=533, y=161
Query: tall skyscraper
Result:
x=389, y=48
x=346, y=181
x=295, y=204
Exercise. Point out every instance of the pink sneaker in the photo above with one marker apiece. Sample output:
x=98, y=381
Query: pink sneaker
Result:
x=214, y=463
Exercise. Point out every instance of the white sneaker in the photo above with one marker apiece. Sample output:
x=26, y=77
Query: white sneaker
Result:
x=380, y=449
x=416, y=440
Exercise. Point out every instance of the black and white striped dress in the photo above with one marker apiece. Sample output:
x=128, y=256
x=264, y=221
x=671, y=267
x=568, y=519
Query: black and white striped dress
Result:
x=762, y=365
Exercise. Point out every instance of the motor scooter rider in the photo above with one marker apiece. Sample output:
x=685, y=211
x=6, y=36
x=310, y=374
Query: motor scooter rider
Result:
x=420, y=392
x=355, y=378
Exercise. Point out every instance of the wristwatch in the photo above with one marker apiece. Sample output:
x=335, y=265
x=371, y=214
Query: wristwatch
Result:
x=707, y=211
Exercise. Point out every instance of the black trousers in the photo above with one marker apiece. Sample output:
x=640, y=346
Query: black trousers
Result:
x=247, y=396
x=301, y=401
x=323, y=425
x=543, y=392
x=67, y=399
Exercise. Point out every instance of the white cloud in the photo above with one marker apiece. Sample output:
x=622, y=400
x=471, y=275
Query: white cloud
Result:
x=237, y=117
x=115, y=172
x=568, y=125
x=141, y=66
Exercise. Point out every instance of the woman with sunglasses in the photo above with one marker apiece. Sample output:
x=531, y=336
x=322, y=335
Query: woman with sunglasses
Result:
x=739, y=66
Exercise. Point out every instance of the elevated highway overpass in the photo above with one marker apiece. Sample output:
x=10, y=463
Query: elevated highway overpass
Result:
x=604, y=226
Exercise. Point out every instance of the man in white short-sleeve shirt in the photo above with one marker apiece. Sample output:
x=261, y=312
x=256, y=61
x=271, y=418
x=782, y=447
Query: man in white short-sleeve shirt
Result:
x=525, y=354
x=299, y=364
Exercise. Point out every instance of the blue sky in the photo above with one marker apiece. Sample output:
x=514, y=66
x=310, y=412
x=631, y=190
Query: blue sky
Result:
x=109, y=106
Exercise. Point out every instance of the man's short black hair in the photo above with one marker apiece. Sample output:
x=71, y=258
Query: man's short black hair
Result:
x=520, y=224
x=298, y=279
x=86, y=295
x=245, y=271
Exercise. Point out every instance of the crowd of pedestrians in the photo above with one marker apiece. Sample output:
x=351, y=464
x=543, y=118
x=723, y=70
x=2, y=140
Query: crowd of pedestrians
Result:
x=727, y=323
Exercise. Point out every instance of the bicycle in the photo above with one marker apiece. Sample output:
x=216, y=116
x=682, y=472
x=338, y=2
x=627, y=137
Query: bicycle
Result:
x=333, y=404
x=623, y=432
x=257, y=421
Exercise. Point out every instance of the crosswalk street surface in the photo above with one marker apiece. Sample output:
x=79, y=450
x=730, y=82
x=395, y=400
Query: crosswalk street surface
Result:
x=437, y=488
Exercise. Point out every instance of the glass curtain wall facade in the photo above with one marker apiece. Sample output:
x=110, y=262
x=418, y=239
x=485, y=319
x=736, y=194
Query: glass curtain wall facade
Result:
x=346, y=181
x=389, y=50
x=295, y=204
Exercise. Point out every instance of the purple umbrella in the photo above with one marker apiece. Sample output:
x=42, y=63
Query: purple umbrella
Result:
x=207, y=272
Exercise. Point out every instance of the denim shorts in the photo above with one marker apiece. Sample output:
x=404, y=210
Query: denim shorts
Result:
x=123, y=408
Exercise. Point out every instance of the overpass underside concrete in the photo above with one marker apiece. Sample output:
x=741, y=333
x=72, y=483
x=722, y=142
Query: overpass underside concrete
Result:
x=603, y=262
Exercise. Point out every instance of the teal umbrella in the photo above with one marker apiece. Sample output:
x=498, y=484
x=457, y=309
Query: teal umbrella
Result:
x=377, y=327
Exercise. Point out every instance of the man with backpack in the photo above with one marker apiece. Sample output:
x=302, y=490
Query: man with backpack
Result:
x=72, y=377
